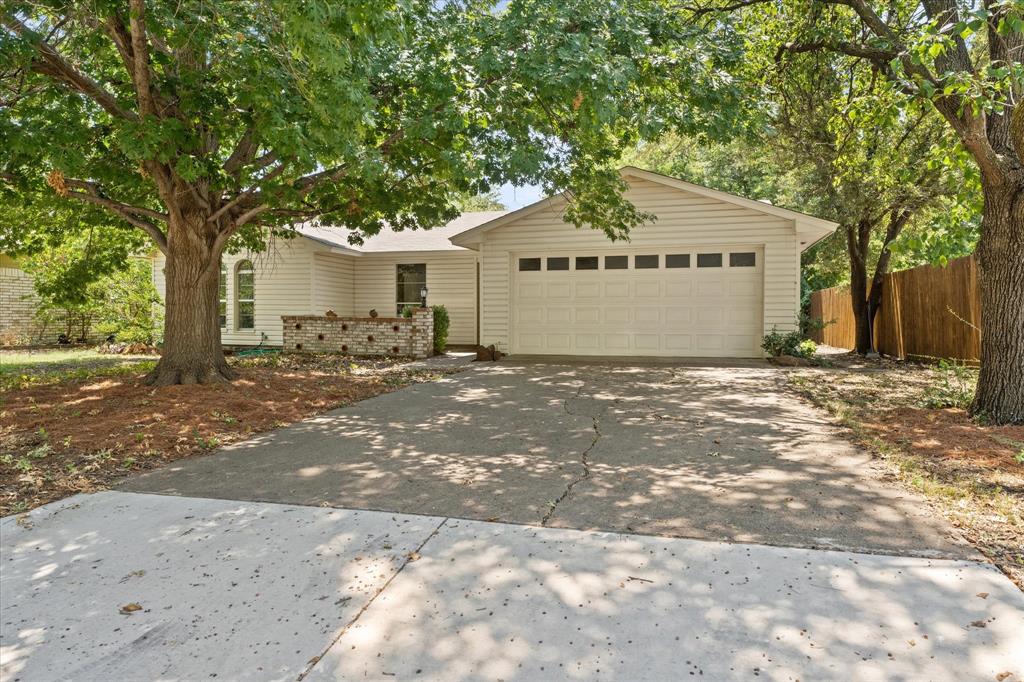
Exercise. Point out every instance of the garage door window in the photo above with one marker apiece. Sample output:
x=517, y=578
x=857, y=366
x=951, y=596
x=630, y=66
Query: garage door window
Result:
x=645, y=262
x=677, y=260
x=529, y=264
x=586, y=262
x=616, y=262
x=709, y=260
x=561, y=263
x=742, y=260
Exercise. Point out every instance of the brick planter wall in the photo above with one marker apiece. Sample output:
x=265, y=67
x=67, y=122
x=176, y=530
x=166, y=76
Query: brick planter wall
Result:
x=413, y=337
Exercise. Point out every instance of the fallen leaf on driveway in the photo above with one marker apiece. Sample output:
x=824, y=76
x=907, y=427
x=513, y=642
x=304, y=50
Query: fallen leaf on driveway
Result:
x=1003, y=676
x=129, y=609
x=25, y=522
x=412, y=556
x=978, y=624
x=983, y=595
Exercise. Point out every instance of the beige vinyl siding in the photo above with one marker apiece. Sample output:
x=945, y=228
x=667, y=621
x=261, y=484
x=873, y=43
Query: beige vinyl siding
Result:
x=451, y=280
x=333, y=283
x=283, y=286
x=684, y=219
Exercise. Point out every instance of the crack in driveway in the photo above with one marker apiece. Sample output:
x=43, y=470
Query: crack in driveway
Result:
x=584, y=461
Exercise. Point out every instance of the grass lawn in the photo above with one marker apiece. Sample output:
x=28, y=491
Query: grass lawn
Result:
x=23, y=368
x=72, y=422
x=914, y=417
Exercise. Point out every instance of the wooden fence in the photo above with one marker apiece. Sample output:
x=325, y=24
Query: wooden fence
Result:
x=926, y=312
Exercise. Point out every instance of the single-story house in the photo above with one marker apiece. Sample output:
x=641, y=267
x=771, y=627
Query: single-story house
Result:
x=708, y=278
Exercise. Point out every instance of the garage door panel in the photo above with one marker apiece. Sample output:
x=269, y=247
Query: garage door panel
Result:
x=712, y=317
x=559, y=343
x=558, y=290
x=618, y=315
x=746, y=318
x=678, y=343
x=678, y=315
x=616, y=289
x=616, y=342
x=647, y=342
x=737, y=342
x=711, y=287
x=531, y=342
x=646, y=314
x=530, y=290
x=646, y=289
x=588, y=289
x=654, y=312
x=675, y=288
x=559, y=316
x=530, y=314
x=747, y=288
x=709, y=342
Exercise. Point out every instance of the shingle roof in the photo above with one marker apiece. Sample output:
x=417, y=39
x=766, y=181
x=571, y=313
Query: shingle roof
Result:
x=434, y=239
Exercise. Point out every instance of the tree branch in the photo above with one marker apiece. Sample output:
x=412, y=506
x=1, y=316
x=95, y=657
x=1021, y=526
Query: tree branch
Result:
x=140, y=55
x=51, y=63
x=92, y=194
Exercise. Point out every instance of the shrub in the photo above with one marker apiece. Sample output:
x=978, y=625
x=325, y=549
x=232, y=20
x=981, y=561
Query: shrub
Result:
x=776, y=343
x=441, y=323
x=407, y=311
x=806, y=348
x=809, y=325
x=954, y=388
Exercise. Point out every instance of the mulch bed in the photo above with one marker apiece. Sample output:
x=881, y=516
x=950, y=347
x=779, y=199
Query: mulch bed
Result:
x=952, y=436
x=79, y=436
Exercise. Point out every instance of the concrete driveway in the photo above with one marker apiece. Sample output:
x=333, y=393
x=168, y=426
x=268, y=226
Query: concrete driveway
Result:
x=412, y=578
x=710, y=452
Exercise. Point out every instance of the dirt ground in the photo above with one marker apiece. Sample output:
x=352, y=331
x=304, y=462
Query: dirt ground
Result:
x=971, y=471
x=83, y=434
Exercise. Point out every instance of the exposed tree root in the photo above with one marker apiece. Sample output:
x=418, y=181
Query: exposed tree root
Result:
x=165, y=374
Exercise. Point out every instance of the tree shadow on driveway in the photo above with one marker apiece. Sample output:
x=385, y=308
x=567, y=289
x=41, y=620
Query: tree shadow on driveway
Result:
x=705, y=451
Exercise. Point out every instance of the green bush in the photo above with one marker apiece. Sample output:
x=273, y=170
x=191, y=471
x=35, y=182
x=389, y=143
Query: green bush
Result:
x=776, y=343
x=407, y=311
x=441, y=323
x=806, y=348
x=954, y=388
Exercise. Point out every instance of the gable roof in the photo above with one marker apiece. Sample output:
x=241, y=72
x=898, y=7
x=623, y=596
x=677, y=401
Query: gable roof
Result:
x=387, y=240
x=815, y=228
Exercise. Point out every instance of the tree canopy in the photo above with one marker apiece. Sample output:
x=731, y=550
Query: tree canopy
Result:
x=203, y=122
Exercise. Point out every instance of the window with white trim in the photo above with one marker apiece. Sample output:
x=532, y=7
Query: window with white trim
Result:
x=245, y=295
x=410, y=278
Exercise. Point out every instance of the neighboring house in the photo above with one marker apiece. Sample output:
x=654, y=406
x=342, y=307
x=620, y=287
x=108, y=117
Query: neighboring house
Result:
x=708, y=278
x=18, y=302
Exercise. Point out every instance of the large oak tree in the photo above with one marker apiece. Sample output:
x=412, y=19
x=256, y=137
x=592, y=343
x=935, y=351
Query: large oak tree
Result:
x=207, y=122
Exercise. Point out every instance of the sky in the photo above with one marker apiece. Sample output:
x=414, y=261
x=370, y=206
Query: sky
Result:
x=516, y=197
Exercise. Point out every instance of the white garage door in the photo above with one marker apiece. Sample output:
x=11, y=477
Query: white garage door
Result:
x=700, y=302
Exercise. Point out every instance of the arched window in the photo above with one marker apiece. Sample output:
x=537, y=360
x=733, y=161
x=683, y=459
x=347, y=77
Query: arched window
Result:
x=245, y=295
x=222, y=296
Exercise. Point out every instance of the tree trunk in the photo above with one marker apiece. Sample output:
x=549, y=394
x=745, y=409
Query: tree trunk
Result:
x=856, y=245
x=192, y=352
x=1000, y=393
